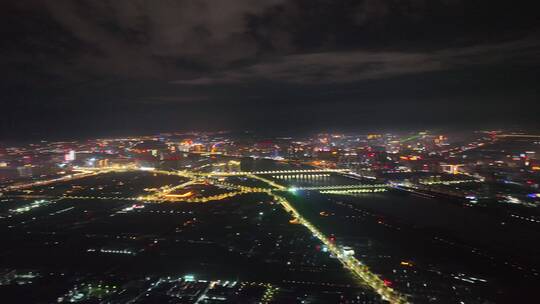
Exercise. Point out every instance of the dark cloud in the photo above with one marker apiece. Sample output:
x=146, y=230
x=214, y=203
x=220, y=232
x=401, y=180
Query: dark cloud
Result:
x=231, y=58
x=353, y=66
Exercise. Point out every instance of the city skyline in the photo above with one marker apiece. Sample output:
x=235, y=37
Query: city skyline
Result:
x=269, y=152
x=403, y=217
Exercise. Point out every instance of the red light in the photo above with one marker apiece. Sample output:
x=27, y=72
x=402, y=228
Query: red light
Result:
x=387, y=283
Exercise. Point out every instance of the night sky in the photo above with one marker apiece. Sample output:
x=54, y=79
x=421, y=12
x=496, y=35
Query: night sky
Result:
x=100, y=68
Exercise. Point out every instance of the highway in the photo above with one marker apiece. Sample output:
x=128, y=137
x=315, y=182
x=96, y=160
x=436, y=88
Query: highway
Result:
x=52, y=180
x=361, y=271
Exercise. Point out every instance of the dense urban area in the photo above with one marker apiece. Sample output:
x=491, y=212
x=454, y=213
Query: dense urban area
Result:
x=410, y=217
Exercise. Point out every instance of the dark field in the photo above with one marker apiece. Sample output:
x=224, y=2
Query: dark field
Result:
x=414, y=241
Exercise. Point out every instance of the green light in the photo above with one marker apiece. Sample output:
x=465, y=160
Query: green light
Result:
x=189, y=278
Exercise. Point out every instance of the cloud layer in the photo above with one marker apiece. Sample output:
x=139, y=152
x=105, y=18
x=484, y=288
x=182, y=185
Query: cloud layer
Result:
x=157, y=60
x=203, y=41
x=353, y=66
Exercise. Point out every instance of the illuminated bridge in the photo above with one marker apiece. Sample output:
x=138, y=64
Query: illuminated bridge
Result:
x=345, y=189
x=283, y=172
x=183, y=172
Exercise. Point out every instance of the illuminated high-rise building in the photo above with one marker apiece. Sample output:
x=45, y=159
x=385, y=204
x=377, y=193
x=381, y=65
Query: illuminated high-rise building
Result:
x=234, y=166
x=70, y=156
